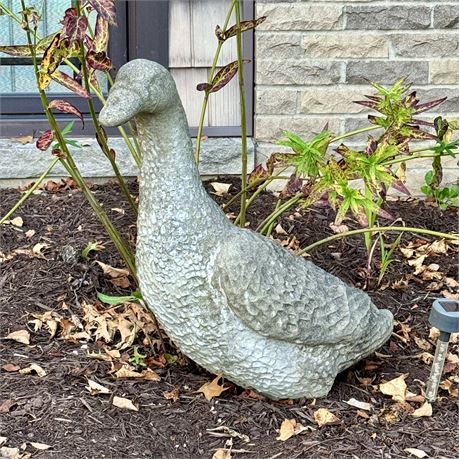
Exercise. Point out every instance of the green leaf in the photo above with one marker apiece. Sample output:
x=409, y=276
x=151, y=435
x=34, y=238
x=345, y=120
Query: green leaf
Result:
x=429, y=177
x=68, y=128
x=91, y=247
x=115, y=300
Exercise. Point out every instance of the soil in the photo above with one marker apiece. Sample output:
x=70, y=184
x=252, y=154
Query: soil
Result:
x=58, y=410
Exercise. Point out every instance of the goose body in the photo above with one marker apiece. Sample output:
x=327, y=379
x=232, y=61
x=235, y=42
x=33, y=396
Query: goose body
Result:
x=230, y=299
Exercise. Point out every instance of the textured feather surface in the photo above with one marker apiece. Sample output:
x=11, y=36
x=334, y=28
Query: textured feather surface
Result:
x=282, y=296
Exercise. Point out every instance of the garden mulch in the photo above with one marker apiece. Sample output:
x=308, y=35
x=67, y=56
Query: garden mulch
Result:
x=59, y=411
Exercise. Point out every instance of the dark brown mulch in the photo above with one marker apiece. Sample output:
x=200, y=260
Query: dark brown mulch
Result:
x=59, y=411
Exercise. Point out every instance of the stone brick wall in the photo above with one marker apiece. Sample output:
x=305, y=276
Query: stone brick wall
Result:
x=312, y=58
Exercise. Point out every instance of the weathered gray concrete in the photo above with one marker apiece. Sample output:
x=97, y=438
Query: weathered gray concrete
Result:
x=22, y=163
x=232, y=300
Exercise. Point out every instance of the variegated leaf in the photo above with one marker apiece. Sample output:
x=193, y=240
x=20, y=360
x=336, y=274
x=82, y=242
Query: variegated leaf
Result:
x=50, y=62
x=428, y=105
x=45, y=140
x=23, y=50
x=106, y=8
x=245, y=25
x=99, y=61
x=66, y=107
x=101, y=35
x=222, y=78
x=74, y=26
x=69, y=83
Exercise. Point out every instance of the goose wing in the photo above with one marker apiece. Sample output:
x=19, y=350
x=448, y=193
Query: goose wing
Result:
x=283, y=296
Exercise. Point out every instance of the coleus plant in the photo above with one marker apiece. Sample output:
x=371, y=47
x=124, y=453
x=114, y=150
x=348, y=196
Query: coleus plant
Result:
x=320, y=178
x=84, y=50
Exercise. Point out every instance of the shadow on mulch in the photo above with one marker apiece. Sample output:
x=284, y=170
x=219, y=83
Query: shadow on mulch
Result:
x=58, y=410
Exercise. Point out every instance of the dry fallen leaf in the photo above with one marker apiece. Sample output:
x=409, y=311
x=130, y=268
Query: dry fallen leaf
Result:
x=40, y=446
x=449, y=386
x=25, y=139
x=150, y=375
x=289, y=428
x=396, y=388
x=359, y=404
x=422, y=343
x=17, y=221
x=6, y=406
x=111, y=271
x=212, y=389
x=322, y=416
x=30, y=233
x=279, y=230
x=33, y=367
x=171, y=395
x=426, y=357
x=424, y=410
x=434, y=334
x=10, y=367
x=220, y=188
x=9, y=453
x=21, y=336
x=126, y=371
x=39, y=248
x=96, y=388
x=416, y=452
x=118, y=276
x=222, y=453
x=125, y=403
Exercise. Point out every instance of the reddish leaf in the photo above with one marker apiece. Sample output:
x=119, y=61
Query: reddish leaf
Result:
x=292, y=187
x=99, y=61
x=66, y=107
x=232, y=31
x=384, y=214
x=74, y=26
x=222, y=78
x=106, y=8
x=422, y=122
x=421, y=135
x=400, y=186
x=366, y=103
x=69, y=83
x=203, y=86
x=45, y=140
x=258, y=175
x=101, y=35
x=374, y=98
x=428, y=105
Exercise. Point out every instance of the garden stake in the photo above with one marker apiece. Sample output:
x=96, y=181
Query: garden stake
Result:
x=444, y=315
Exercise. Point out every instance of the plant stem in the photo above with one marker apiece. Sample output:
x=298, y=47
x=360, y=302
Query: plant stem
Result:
x=206, y=95
x=261, y=188
x=74, y=172
x=379, y=229
x=100, y=134
x=352, y=133
x=29, y=192
x=135, y=154
x=242, y=212
x=265, y=224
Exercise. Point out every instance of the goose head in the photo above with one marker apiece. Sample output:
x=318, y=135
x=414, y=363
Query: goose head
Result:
x=141, y=86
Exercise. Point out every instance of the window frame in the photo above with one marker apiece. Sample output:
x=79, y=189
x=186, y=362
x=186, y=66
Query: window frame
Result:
x=22, y=113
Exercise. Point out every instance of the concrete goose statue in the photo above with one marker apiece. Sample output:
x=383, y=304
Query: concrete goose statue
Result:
x=231, y=300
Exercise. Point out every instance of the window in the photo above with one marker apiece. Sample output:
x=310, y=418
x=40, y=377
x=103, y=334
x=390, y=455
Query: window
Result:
x=176, y=33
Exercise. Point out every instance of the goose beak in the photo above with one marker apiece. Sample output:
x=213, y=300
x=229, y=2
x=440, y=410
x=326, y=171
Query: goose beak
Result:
x=122, y=105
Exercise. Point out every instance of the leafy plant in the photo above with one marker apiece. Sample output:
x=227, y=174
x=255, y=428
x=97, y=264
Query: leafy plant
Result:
x=320, y=178
x=137, y=358
x=74, y=40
